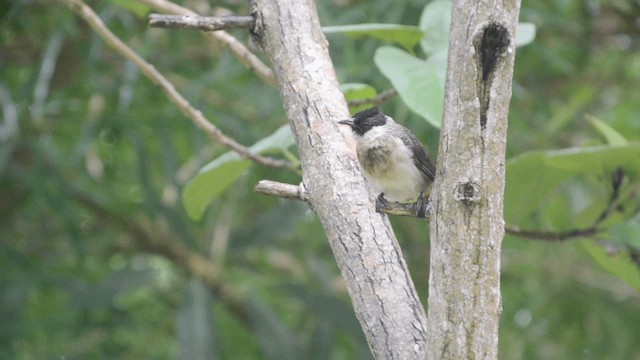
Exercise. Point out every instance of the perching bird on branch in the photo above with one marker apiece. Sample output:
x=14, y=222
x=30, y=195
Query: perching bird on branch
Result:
x=393, y=160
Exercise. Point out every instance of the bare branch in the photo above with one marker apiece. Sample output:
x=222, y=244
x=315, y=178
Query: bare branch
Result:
x=278, y=189
x=293, y=192
x=616, y=182
x=550, y=235
x=614, y=199
x=238, y=49
x=157, y=78
x=202, y=23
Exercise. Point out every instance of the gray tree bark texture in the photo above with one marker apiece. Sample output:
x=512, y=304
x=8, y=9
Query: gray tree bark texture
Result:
x=363, y=243
x=467, y=224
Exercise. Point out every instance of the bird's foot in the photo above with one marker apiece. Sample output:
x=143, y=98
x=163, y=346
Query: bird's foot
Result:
x=381, y=203
x=421, y=206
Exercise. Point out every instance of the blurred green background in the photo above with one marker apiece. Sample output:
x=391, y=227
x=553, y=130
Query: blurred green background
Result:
x=97, y=257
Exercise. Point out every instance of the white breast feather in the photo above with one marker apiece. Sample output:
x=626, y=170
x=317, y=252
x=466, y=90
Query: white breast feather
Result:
x=401, y=181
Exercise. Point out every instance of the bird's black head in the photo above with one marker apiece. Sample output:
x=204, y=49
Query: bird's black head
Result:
x=365, y=120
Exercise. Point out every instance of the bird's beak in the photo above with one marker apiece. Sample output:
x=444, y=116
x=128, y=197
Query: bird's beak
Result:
x=347, y=122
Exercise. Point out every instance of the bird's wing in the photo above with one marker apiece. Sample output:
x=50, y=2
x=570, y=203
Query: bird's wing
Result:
x=420, y=157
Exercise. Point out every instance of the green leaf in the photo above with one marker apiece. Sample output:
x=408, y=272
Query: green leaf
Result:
x=627, y=233
x=563, y=115
x=219, y=174
x=136, y=7
x=435, y=22
x=419, y=83
x=279, y=141
x=557, y=212
x=210, y=181
x=356, y=91
x=619, y=264
x=540, y=172
x=527, y=175
x=525, y=34
x=610, y=134
x=404, y=35
x=595, y=159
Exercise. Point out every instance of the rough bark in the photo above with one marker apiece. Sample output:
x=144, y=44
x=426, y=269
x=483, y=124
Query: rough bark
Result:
x=365, y=248
x=467, y=223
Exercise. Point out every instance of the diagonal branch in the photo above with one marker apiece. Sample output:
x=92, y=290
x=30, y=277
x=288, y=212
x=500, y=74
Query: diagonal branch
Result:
x=215, y=134
x=217, y=23
x=382, y=292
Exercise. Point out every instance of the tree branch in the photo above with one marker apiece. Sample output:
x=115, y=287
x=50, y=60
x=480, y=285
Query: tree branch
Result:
x=467, y=223
x=552, y=236
x=238, y=49
x=216, y=23
x=201, y=23
x=379, y=284
x=215, y=134
x=614, y=200
x=293, y=192
x=282, y=190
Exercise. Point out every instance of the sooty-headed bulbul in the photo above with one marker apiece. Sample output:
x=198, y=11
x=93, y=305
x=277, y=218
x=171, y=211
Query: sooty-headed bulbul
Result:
x=393, y=160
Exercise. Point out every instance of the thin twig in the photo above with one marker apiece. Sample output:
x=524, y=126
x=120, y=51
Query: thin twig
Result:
x=154, y=75
x=238, y=49
x=551, y=235
x=616, y=182
x=202, y=23
x=378, y=99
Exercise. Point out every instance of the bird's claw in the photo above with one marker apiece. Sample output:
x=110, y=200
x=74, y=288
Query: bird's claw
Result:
x=421, y=207
x=381, y=203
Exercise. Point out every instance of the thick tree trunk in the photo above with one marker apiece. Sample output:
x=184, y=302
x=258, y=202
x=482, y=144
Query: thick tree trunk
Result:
x=467, y=223
x=365, y=248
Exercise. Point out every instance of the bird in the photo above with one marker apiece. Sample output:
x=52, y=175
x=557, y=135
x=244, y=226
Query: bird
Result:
x=393, y=160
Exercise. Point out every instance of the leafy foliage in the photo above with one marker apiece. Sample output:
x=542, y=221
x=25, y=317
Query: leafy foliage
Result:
x=420, y=83
x=405, y=36
x=219, y=174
